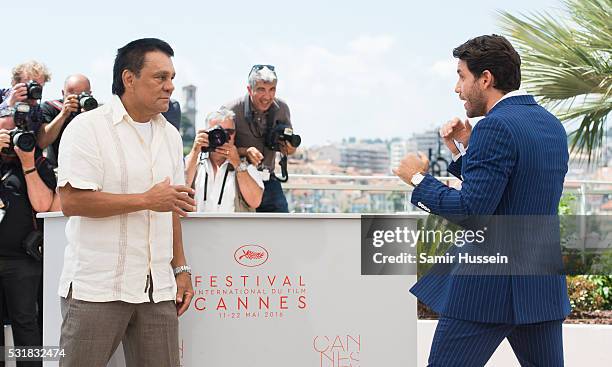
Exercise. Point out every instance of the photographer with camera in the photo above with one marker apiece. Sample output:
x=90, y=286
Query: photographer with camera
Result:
x=22, y=100
x=26, y=187
x=57, y=114
x=222, y=181
x=27, y=81
x=258, y=115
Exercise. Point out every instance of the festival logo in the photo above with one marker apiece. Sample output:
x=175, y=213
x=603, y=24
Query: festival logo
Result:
x=250, y=291
x=251, y=255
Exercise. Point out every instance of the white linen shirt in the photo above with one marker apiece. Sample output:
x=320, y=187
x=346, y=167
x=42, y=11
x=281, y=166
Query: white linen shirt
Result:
x=108, y=259
x=214, y=185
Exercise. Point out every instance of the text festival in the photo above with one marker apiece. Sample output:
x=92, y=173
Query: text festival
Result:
x=249, y=293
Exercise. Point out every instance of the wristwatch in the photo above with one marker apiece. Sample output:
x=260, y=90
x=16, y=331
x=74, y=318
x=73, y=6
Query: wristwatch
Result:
x=416, y=179
x=182, y=269
x=242, y=167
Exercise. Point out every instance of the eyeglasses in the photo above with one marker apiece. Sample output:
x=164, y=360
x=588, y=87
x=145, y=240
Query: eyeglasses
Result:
x=258, y=67
x=230, y=131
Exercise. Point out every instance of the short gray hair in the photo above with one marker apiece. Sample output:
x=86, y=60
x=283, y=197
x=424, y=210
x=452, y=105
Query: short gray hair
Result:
x=221, y=114
x=262, y=75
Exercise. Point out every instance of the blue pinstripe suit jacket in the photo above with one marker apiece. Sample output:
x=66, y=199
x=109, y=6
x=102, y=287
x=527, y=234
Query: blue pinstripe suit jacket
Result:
x=515, y=165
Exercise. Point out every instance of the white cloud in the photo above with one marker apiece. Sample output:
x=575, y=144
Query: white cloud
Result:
x=372, y=44
x=5, y=76
x=446, y=69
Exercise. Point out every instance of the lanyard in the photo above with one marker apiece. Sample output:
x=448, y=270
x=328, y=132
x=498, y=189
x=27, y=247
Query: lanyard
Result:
x=222, y=185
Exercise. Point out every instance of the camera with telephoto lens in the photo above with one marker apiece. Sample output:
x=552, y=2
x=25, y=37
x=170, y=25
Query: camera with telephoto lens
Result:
x=87, y=102
x=216, y=138
x=34, y=90
x=22, y=136
x=281, y=132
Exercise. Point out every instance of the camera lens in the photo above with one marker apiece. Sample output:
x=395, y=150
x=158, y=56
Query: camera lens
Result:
x=216, y=137
x=34, y=90
x=26, y=141
x=296, y=140
x=87, y=102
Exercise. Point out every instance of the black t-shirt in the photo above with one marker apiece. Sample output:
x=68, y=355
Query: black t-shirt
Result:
x=18, y=217
x=50, y=112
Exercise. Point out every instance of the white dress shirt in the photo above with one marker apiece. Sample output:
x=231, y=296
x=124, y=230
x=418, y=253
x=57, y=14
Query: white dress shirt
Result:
x=109, y=259
x=214, y=186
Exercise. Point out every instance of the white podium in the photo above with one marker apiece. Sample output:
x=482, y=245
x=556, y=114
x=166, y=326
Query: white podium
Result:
x=274, y=290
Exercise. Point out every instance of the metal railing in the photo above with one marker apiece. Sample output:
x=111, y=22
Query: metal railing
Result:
x=589, y=195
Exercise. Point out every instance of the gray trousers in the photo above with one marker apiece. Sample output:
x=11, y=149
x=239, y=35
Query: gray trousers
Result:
x=91, y=332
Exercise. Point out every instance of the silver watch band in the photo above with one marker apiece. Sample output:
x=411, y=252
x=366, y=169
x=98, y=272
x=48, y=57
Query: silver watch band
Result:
x=242, y=167
x=182, y=269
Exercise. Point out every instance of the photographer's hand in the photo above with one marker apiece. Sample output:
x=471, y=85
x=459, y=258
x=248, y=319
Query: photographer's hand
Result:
x=5, y=139
x=254, y=156
x=71, y=104
x=229, y=151
x=200, y=141
x=26, y=158
x=19, y=93
x=286, y=148
x=191, y=161
x=49, y=132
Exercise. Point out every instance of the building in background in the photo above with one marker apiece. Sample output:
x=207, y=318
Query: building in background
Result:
x=428, y=143
x=367, y=157
x=188, y=118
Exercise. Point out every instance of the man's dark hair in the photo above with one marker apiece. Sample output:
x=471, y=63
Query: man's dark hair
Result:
x=493, y=53
x=132, y=57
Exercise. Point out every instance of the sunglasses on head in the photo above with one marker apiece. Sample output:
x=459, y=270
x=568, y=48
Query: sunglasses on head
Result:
x=258, y=67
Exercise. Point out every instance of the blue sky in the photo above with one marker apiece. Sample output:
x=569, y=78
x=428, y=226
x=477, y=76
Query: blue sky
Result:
x=347, y=68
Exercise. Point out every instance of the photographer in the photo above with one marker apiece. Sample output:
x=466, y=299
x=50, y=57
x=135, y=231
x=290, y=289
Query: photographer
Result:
x=28, y=80
x=57, y=114
x=222, y=182
x=256, y=114
x=26, y=187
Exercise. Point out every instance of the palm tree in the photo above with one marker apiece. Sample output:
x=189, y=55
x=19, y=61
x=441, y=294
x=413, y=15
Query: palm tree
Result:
x=567, y=63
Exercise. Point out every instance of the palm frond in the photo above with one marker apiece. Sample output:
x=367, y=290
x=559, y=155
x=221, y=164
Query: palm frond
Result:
x=567, y=64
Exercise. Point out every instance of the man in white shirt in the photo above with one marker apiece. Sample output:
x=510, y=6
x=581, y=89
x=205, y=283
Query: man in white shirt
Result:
x=121, y=180
x=222, y=181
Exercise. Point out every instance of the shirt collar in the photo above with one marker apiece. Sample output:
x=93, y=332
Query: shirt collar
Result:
x=120, y=113
x=514, y=93
x=209, y=164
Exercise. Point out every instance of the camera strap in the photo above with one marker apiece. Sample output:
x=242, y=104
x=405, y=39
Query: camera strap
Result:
x=227, y=170
x=57, y=104
x=284, y=172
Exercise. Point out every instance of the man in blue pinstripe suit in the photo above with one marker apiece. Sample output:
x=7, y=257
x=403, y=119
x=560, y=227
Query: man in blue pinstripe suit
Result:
x=513, y=164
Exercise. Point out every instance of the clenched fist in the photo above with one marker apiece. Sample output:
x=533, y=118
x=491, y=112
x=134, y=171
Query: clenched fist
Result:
x=410, y=165
x=456, y=130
